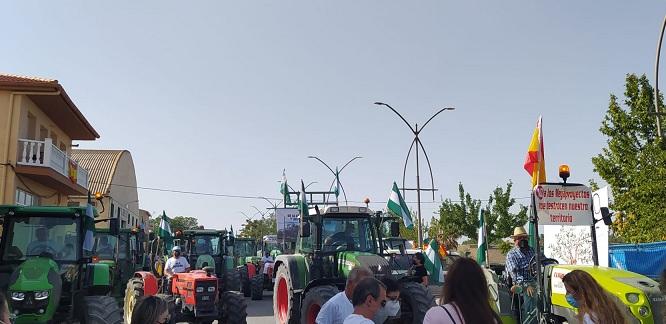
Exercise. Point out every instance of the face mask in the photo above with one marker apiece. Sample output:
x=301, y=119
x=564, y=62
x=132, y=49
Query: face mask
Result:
x=176, y=254
x=523, y=244
x=391, y=309
x=572, y=301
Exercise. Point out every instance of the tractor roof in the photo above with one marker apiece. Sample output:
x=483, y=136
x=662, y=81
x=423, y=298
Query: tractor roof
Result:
x=203, y=232
x=44, y=210
x=361, y=211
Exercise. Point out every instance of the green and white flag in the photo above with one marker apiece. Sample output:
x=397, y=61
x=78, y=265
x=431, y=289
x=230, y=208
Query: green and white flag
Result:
x=89, y=224
x=433, y=263
x=482, y=241
x=302, y=202
x=284, y=189
x=396, y=205
x=165, y=228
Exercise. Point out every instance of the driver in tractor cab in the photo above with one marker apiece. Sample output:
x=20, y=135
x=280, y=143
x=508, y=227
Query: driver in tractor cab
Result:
x=342, y=238
x=43, y=243
x=176, y=263
x=104, y=249
x=266, y=261
x=517, y=268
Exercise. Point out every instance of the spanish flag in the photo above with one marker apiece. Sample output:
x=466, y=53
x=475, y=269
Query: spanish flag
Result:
x=535, y=164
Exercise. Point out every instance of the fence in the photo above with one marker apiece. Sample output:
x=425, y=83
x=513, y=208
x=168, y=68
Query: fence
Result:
x=648, y=259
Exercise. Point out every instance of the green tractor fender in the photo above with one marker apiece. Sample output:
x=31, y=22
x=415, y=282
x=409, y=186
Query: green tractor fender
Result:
x=297, y=267
x=37, y=282
x=97, y=278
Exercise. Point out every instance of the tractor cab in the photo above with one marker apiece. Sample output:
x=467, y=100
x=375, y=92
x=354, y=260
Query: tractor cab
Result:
x=208, y=248
x=46, y=266
x=123, y=253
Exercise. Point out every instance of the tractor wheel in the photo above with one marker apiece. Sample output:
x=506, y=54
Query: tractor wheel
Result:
x=133, y=292
x=416, y=300
x=233, y=308
x=257, y=287
x=285, y=303
x=314, y=300
x=100, y=310
x=245, y=281
x=232, y=280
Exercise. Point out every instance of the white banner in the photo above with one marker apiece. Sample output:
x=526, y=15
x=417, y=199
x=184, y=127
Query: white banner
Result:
x=288, y=220
x=563, y=205
x=568, y=244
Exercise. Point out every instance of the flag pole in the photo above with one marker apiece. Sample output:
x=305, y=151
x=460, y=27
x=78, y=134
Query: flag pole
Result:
x=485, y=235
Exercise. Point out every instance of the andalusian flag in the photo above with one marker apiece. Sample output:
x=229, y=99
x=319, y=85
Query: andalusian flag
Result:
x=302, y=202
x=337, y=183
x=397, y=206
x=284, y=189
x=535, y=163
x=165, y=228
x=433, y=263
x=89, y=224
x=482, y=246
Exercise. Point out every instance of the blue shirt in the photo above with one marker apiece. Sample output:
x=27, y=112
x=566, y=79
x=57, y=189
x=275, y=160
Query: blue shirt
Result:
x=518, y=263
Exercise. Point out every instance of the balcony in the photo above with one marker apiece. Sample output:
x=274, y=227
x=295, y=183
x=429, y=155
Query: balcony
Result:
x=45, y=163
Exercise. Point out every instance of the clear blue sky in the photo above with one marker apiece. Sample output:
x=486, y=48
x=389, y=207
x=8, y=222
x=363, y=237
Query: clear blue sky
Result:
x=219, y=96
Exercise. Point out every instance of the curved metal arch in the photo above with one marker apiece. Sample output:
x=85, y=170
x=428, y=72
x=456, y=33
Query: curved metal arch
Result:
x=433, y=116
x=404, y=168
x=397, y=113
x=432, y=179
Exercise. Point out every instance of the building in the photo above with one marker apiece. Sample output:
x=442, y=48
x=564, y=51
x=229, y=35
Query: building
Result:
x=38, y=122
x=145, y=216
x=112, y=174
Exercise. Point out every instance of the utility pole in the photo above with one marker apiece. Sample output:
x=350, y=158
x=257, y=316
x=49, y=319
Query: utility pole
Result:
x=417, y=142
x=657, y=112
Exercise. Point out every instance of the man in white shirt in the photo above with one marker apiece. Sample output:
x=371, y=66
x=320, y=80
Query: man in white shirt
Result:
x=369, y=297
x=266, y=260
x=176, y=263
x=336, y=309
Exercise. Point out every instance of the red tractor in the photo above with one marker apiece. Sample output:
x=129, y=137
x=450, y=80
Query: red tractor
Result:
x=193, y=297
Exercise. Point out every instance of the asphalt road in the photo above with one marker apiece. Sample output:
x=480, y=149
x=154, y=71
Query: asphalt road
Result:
x=260, y=311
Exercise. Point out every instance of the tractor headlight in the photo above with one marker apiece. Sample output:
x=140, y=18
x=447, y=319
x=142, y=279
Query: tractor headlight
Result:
x=632, y=298
x=200, y=289
x=41, y=295
x=18, y=295
x=644, y=311
x=211, y=289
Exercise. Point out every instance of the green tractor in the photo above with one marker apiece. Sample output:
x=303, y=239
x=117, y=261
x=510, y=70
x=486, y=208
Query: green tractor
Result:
x=263, y=277
x=329, y=245
x=210, y=248
x=246, y=262
x=123, y=253
x=48, y=276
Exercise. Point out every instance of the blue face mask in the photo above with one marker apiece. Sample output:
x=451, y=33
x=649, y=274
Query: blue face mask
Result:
x=572, y=301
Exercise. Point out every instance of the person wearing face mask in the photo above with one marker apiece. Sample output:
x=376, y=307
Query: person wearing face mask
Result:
x=392, y=307
x=176, y=263
x=419, y=269
x=336, y=309
x=369, y=297
x=594, y=304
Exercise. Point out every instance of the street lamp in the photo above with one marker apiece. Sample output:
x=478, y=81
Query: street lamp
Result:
x=416, y=131
x=657, y=113
x=336, y=174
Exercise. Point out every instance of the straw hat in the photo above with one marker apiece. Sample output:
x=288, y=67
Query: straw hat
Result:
x=519, y=232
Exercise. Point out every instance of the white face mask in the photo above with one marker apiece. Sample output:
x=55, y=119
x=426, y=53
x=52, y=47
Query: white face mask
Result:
x=391, y=309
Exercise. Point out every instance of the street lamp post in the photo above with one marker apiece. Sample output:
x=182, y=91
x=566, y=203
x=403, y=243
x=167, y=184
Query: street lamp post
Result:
x=417, y=142
x=657, y=112
x=336, y=174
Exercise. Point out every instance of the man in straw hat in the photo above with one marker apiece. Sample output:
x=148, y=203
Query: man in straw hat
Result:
x=517, y=267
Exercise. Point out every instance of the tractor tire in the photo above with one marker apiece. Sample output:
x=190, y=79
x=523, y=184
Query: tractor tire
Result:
x=100, y=310
x=232, y=280
x=257, y=285
x=245, y=281
x=416, y=301
x=314, y=299
x=286, y=304
x=133, y=292
x=233, y=308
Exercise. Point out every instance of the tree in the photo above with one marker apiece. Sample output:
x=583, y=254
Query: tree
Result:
x=500, y=221
x=257, y=228
x=176, y=223
x=634, y=164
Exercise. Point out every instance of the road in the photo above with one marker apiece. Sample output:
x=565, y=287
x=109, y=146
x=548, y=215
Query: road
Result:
x=260, y=311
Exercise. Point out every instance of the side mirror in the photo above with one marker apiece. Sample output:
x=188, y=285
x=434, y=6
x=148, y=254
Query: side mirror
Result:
x=114, y=226
x=606, y=216
x=305, y=229
x=395, y=229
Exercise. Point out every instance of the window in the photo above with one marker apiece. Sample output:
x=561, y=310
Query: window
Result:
x=347, y=234
x=24, y=198
x=33, y=236
x=32, y=126
x=111, y=211
x=43, y=133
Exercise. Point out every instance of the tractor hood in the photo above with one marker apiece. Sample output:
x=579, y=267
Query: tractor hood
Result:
x=33, y=274
x=35, y=289
x=351, y=259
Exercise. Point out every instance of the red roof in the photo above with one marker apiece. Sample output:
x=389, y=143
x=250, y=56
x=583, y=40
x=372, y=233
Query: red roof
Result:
x=54, y=102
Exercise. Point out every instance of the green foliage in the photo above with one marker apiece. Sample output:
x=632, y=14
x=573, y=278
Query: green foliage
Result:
x=634, y=164
x=177, y=223
x=457, y=219
x=257, y=228
x=504, y=247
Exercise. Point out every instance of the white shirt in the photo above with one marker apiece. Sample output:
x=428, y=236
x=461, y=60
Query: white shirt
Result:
x=335, y=310
x=357, y=319
x=268, y=261
x=437, y=315
x=176, y=265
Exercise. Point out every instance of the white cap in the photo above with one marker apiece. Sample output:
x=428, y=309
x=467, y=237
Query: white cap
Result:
x=176, y=248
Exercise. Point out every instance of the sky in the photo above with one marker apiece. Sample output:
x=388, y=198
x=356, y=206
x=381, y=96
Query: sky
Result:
x=220, y=97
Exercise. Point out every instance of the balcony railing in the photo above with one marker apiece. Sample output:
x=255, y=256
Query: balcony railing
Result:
x=45, y=154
